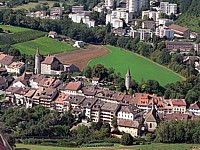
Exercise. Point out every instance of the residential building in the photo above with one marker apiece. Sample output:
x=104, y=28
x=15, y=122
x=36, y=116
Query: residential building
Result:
x=95, y=80
x=22, y=81
x=73, y=88
x=129, y=126
x=149, y=25
x=136, y=5
x=53, y=34
x=195, y=108
x=87, y=105
x=165, y=22
x=143, y=34
x=60, y=100
x=183, y=47
x=28, y=98
x=168, y=8
x=175, y=116
x=179, y=31
x=16, y=67
x=77, y=9
x=96, y=110
x=56, y=11
x=35, y=79
x=163, y=31
x=109, y=3
x=179, y=105
x=5, y=60
x=155, y=15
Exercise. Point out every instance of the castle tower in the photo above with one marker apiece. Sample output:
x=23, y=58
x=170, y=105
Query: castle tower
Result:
x=37, y=62
x=128, y=79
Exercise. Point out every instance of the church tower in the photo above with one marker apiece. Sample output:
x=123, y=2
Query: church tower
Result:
x=37, y=62
x=128, y=79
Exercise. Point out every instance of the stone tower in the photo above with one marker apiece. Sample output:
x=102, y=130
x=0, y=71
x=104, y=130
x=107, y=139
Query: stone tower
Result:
x=37, y=62
x=128, y=79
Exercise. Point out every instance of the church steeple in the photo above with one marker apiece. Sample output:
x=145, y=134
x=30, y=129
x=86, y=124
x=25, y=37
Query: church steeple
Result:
x=37, y=62
x=128, y=79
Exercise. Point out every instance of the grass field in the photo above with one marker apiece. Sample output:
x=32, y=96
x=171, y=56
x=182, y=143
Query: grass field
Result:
x=13, y=29
x=32, y=5
x=154, y=146
x=141, y=68
x=46, y=46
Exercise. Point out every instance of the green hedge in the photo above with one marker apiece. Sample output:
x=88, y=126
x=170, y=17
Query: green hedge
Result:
x=20, y=37
x=98, y=145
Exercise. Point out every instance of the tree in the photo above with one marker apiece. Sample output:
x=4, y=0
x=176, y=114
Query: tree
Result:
x=56, y=4
x=114, y=122
x=126, y=139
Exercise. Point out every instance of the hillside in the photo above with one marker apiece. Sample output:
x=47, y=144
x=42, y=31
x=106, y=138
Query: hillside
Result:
x=141, y=68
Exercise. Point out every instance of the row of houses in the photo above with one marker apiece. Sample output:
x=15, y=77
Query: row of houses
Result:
x=135, y=113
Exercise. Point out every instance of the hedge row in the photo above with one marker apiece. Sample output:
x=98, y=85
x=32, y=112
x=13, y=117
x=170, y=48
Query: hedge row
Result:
x=98, y=145
x=20, y=37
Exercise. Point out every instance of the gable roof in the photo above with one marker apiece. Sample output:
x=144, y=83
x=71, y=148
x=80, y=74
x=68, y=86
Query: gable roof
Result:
x=179, y=102
x=152, y=116
x=73, y=86
x=178, y=28
x=196, y=105
x=49, y=60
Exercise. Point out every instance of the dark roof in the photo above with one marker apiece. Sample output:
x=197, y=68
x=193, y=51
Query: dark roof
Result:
x=176, y=116
x=49, y=60
x=75, y=99
x=152, y=116
x=7, y=60
x=196, y=105
x=128, y=123
x=88, y=102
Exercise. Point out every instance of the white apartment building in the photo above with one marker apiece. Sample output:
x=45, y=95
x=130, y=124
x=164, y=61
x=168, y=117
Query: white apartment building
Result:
x=116, y=18
x=163, y=31
x=135, y=5
x=155, y=15
x=109, y=3
x=168, y=8
x=77, y=17
x=143, y=34
x=165, y=22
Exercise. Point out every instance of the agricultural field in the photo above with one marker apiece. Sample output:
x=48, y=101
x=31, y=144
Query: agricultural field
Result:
x=81, y=57
x=141, y=67
x=13, y=29
x=46, y=46
x=154, y=146
x=32, y=5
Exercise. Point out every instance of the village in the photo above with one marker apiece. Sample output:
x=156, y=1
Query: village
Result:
x=136, y=113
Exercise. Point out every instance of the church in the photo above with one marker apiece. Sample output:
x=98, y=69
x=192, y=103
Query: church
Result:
x=51, y=65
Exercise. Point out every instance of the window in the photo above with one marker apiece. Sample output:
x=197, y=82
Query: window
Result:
x=150, y=125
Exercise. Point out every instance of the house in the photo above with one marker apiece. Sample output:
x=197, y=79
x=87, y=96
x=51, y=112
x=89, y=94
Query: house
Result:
x=6, y=60
x=96, y=110
x=180, y=31
x=35, y=80
x=79, y=44
x=179, y=105
x=59, y=101
x=195, y=108
x=23, y=80
x=73, y=102
x=77, y=9
x=16, y=67
x=133, y=127
x=149, y=24
x=28, y=98
x=19, y=95
x=56, y=11
x=129, y=112
x=108, y=111
x=87, y=105
x=45, y=96
x=53, y=34
x=51, y=65
x=95, y=80
x=151, y=120
x=176, y=116
x=10, y=93
x=73, y=88
x=184, y=47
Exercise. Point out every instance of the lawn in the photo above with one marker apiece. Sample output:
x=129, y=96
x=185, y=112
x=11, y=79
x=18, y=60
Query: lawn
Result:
x=141, y=68
x=46, y=46
x=154, y=146
x=13, y=29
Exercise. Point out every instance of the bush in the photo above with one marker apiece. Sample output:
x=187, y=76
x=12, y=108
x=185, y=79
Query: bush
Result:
x=126, y=139
x=98, y=145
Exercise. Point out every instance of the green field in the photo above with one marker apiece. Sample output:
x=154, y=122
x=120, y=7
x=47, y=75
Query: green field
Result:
x=13, y=29
x=46, y=46
x=154, y=146
x=32, y=5
x=141, y=68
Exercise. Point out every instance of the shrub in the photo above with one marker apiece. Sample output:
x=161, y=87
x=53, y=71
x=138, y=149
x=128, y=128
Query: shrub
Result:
x=98, y=145
x=126, y=139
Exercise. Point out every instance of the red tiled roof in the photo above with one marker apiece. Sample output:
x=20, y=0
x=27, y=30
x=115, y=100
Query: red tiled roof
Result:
x=178, y=28
x=74, y=86
x=180, y=102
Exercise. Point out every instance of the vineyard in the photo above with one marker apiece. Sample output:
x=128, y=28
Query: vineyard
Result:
x=19, y=37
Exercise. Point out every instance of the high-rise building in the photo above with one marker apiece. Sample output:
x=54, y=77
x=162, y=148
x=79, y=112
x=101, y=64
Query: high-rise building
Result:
x=37, y=62
x=136, y=5
x=168, y=8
